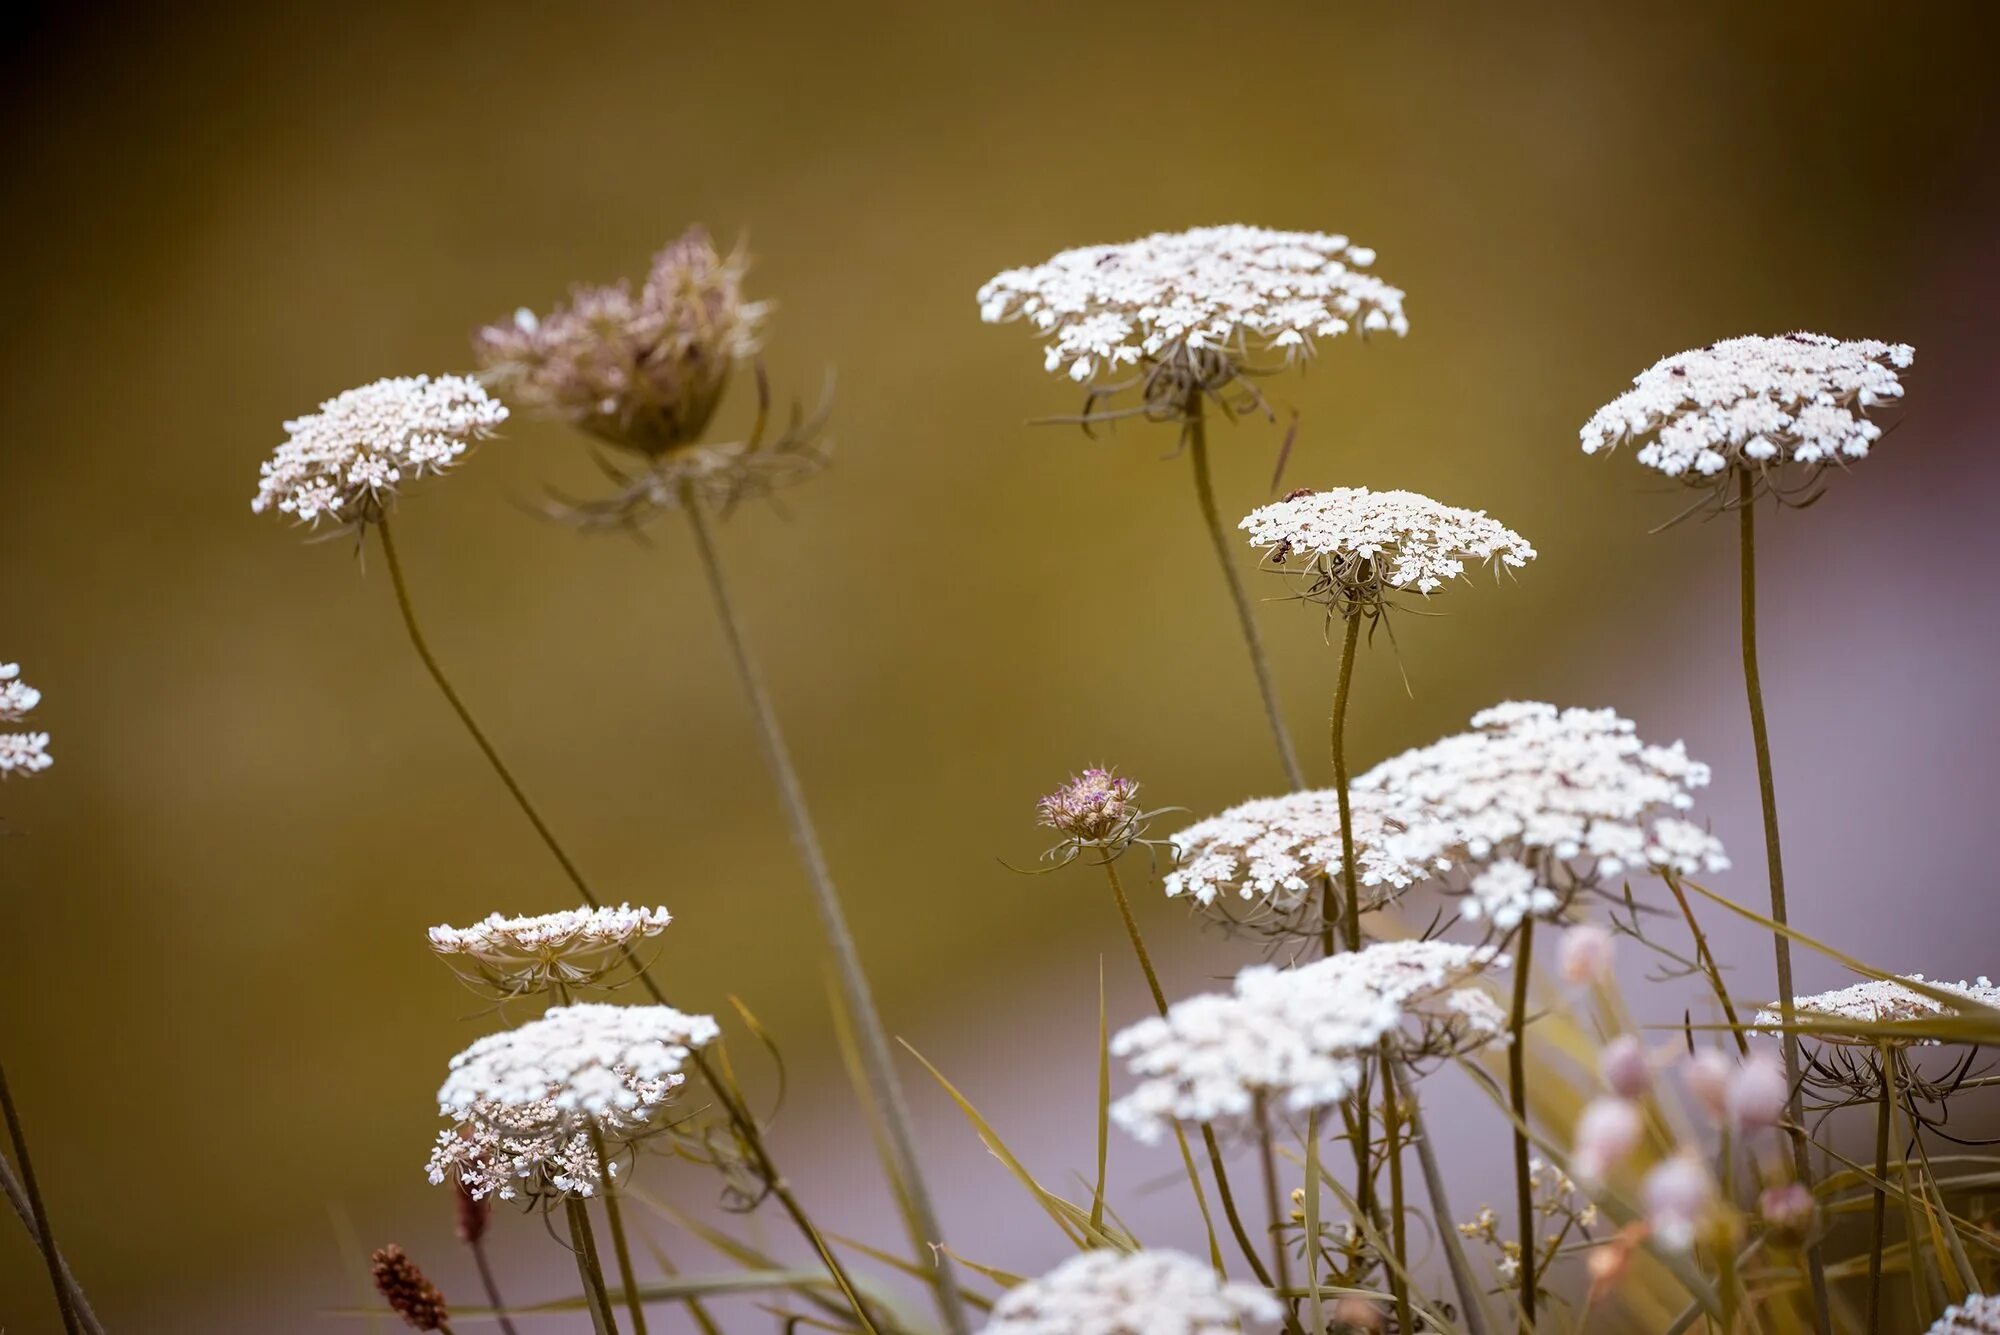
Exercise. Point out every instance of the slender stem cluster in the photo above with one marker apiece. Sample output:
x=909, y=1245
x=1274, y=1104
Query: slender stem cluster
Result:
x=44, y=1234
x=1517, y=1088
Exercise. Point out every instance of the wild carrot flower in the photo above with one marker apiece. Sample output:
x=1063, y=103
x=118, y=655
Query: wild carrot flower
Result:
x=532, y=1103
x=1880, y=1001
x=1756, y=405
x=1536, y=804
x=20, y=752
x=574, y=948
x=1291, y=1040
x=1979, y=1314
x=1096, y=810
x=409, y=1294
x=1260, y=863
x=347, y=461
x=1189, y=312
x=1354, y=546
x=1133, y=1293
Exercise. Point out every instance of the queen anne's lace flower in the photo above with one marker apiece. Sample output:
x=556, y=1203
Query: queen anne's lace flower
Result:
x=1979, y=1314
x=1133, y=1293
x=1880, y=1001
x=1230, y=292
x=1355, y=539
x=346, y=461
x=1290, y=1039
x=20, y=752
x=575, y=947
x=1535, y=803
x=1754, y=403
x=1261, y=862
x=1092, y=807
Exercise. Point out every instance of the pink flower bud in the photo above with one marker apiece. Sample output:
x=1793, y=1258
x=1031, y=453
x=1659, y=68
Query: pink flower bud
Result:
x=1789, y=1211
x=1708, y=1075
x=1585, y=955
x=1606, y=1131
x=1677, y=1194
x=1625, y=1067
x=1758, y=1093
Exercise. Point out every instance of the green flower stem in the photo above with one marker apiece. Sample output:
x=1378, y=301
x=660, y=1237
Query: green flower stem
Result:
x=1399, y=1241
x=745, y=1124
x=584, y=1243
x=873, y=1039
x=1884, y=1113
x=1208, y=1139
x=1338, y=731
x=1470, y=1306
x=1226, y=553
x=620, y=1249
x=1267, y=1157
x=1517, y=1083
x=1746, y=495
x=44, y=1235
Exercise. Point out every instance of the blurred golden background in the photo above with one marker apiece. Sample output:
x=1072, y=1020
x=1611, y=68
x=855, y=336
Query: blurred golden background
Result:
x=215, y=1002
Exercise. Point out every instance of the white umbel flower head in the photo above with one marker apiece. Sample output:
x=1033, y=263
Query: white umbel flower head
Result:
x=1355, y=545
x=1259, y=864
x=1536, y=804
x=1979, y=1314
x=1187, y=310
x=578, y=1057
x=1754, y=404
x=347, y=461
x=1133, y=1293
x=20, y=752
x=1880, y=1001
x=1289, y=1040
x=576, y=947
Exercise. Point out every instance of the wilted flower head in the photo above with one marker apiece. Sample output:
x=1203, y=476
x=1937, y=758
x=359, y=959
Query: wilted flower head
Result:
x=1133, y=1293
x=347, y=461
x=1756, y=405
x=20, y=752
x=1260, y=863
x=576, y=947
x=1979, y=1314
x=641, y=371
x=1354, y=546
x=409, y=1294
x=1880, y=1001
x=1292, y=1039
x=531, y=1102
x=1537, y=803
x=1187, y=311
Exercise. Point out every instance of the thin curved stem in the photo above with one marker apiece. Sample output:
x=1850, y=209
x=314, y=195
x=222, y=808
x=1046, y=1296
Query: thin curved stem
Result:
x=1517, y=1084
x=44, y=1234
x=492, y=1287
x=1399, y=1283
x=1226, y=553
x=739, y=1116
x=588, y=1268
x=1760, y=734
x=1222, y=1191
x=873, y=1039
x=1338, y=732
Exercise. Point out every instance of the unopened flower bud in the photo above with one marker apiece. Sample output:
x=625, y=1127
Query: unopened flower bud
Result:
x=1678, y=1193
x=1758, y=1093
x=1585, y=955
x=1625, y=1067
x=1359, y=1316
x=1788, y=1210
x=1095, y=807
x=1708, y=1074
x=1607, y=1130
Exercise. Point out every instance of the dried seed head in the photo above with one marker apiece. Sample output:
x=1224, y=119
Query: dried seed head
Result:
x=408, y=1293
x=644, y=371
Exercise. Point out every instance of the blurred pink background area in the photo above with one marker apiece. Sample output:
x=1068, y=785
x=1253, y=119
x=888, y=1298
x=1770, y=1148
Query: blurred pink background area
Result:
x=216, y=1006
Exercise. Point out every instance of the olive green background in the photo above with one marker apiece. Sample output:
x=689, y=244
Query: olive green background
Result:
x=215, y=1004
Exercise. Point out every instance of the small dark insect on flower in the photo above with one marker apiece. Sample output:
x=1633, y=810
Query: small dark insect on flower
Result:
x=1281, y=551
x=408, y=1293
x=1297, y=492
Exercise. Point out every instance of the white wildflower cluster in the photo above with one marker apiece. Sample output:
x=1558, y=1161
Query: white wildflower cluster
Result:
x=345, y=461
x=1288, y=1040
x=574, y=947
x=508, y=1149
x=1536, y=802
x=1133, y=1293
x=1880, y=1001
x=20, y=752
x=1359, y=538
x=1268, y=856
x=1754, y=403
x=1979, y=1314
x=1232, y=290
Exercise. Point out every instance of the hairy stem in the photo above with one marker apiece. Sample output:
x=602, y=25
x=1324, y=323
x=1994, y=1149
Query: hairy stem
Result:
x=44, y=1234
x=740, y=1117
x=1884, y=1113
x=1517, y=1084
x=1215, y=1165
x=1399, y=1283
x=584, y=1243
x=1760, y=734
x=873, y=1039
x=1339, y=746
x=1226, y=554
